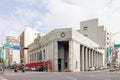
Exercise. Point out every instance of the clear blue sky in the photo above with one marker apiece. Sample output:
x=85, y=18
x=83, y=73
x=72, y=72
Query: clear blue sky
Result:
x=47, y=15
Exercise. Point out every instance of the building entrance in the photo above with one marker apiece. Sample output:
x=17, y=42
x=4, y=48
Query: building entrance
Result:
x=63, y=55
x=59, y=64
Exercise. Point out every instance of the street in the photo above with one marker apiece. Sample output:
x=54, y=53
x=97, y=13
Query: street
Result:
x=88, y=75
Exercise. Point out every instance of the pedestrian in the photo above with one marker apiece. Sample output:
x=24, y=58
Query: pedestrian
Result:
x=15, y=67
x=23, y=68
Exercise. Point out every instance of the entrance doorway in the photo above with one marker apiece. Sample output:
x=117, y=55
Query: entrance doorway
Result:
x=59, y=64
x=63, y=55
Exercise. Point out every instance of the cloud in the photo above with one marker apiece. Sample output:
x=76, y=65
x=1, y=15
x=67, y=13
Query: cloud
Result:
x=64, y=13
x=47, y=15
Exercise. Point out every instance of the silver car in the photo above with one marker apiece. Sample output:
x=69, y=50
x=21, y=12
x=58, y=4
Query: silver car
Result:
x=91, y=69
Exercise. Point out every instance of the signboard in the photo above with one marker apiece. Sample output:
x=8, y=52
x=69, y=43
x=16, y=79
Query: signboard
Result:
x=108, y=54
x=9, y=46
x=40, y=56
x=117, y=45
x=16, y=47
x=2, y=55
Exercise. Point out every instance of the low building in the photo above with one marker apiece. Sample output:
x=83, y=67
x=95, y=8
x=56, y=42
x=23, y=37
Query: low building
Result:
x=12, y=55
x=98, y=34
x=65, y=48
x=27, y=37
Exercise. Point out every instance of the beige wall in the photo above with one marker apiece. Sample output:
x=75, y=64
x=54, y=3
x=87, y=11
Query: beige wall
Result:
x=95, y=32
x=27, y=37
x=49, y=43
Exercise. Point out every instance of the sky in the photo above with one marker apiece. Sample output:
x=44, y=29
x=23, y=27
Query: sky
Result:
x=46, y=15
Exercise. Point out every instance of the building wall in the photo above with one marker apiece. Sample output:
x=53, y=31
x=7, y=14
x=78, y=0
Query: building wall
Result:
x=49, y=43
x=76, y=56
x=11, y=54
x=26, y=38
x=91, y=30
x=95, y=32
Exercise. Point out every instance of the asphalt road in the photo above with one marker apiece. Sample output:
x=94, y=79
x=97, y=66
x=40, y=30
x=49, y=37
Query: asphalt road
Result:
x=89, y=75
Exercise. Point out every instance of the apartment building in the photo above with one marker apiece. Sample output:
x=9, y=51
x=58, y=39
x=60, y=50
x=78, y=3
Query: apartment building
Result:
x=12, y=55
x=92, y=30
x=27, y=37
x=98, y=34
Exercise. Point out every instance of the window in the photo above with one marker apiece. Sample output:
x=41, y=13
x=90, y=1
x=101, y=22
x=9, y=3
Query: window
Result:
x=85, y=28
x=44, y=54
x=85, y=35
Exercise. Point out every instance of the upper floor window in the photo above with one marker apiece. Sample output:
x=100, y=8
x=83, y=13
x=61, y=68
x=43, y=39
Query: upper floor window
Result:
x=85, y=28
x=85, y=35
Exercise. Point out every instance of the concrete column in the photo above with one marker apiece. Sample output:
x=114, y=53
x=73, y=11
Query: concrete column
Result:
x=95, y=59
x=55, y=56
x=83, y=58
x=80, y=57
x=70, y=55
x=92, y=59
x=86, y=59
x=98, y=60
x=101, y=59
x=89, y=58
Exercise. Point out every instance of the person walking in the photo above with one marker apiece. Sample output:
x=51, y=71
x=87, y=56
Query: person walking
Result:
x=15, y=67
x=23, y=68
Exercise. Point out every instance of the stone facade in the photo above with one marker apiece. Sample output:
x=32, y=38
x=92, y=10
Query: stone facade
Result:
x=66, y=48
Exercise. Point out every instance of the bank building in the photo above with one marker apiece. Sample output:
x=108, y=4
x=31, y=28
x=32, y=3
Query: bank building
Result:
x=65, y=48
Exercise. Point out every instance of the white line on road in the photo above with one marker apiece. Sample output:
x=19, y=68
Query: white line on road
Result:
x=71, y=77
x=99, y=77
x=1, y=78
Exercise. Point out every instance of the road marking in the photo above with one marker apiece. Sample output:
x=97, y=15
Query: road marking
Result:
x=71, y=77
x=1, y=78
x=99, y=77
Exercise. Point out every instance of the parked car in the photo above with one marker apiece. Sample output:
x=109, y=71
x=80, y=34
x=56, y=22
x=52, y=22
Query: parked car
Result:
x=101, y=68
x=33, y=69
x=91, y=69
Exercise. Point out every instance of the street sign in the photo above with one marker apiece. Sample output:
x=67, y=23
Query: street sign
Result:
x=108, y=54
x=9, y=46
x=117, y=45
x=16, y=47
x=2, y=54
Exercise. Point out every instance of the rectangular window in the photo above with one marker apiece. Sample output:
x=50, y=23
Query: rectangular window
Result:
x=85, y=28
x=85, y=35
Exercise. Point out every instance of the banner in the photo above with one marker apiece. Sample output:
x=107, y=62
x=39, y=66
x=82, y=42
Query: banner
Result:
x=9, y=46
x=40, y=56
x=2, y=55
x=16, y=47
